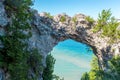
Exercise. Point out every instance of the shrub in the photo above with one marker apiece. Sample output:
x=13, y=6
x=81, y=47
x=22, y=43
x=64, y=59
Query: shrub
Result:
x=108, y=26
x=114, y=64
x=49, y=15
x=62, y=19
x=74, y=19
x=98, y=74
x=103, y=19
x=90, y=20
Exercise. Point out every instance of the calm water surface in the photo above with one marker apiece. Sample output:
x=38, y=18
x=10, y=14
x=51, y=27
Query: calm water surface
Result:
x=72, y=59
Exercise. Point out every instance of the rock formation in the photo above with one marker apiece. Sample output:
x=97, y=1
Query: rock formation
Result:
x=48, y=32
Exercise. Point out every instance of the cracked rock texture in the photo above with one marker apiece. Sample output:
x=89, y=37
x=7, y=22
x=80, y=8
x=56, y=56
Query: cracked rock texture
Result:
x=47, y=33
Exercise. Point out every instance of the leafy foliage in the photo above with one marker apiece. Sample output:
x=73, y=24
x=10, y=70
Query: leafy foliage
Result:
x=108, y=26
x=97, y=74
x=85, y=76
x=90, y=20
x=103, y=19
x=14, y=56
x=74, y=19
x=35, y=62
x=115, y=67
x=57, y=78
x=62, y=19
x=48, y=71
x=49, y=15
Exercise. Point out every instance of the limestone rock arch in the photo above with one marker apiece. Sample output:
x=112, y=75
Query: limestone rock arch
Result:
x=48, y=32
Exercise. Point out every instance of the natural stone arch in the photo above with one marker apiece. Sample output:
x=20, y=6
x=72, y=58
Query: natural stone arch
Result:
x=49, y=32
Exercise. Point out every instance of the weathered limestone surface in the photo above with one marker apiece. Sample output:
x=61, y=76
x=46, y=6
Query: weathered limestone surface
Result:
x=47, y=33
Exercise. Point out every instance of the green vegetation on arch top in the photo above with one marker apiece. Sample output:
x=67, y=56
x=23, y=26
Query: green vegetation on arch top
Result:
x=62, y=19
x=107, y=24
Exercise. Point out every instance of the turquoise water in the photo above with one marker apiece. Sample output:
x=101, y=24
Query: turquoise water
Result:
x=72, y=59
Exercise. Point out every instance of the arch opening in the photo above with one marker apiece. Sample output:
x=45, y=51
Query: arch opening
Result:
x=72, y=59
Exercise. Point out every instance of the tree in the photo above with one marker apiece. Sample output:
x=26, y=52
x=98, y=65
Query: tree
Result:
x=55, y=77
x=48, y=71
x=14, y=55
x=97, y=74
x=114, y=64
x=107, y=24
x=90, y=20
x=85, y=76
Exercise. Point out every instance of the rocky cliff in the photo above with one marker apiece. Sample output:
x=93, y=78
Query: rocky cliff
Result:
x=48, y=32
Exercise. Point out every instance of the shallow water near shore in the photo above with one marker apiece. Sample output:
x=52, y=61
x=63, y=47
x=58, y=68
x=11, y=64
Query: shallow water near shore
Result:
x=72, y=59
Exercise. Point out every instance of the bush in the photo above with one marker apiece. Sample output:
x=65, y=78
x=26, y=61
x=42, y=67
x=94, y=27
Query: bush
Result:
x=49, y=15
x=74, y=19
x=90, y=20
x=108, y=26
x=114, y=64
x=62, y=19
x=98, y=74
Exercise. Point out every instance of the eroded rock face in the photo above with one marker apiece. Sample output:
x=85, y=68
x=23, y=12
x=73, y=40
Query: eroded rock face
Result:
x=47, y=33
x=1, y=74
x=3, y=16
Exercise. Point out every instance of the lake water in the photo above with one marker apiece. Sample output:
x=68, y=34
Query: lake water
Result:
x=72, y=59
